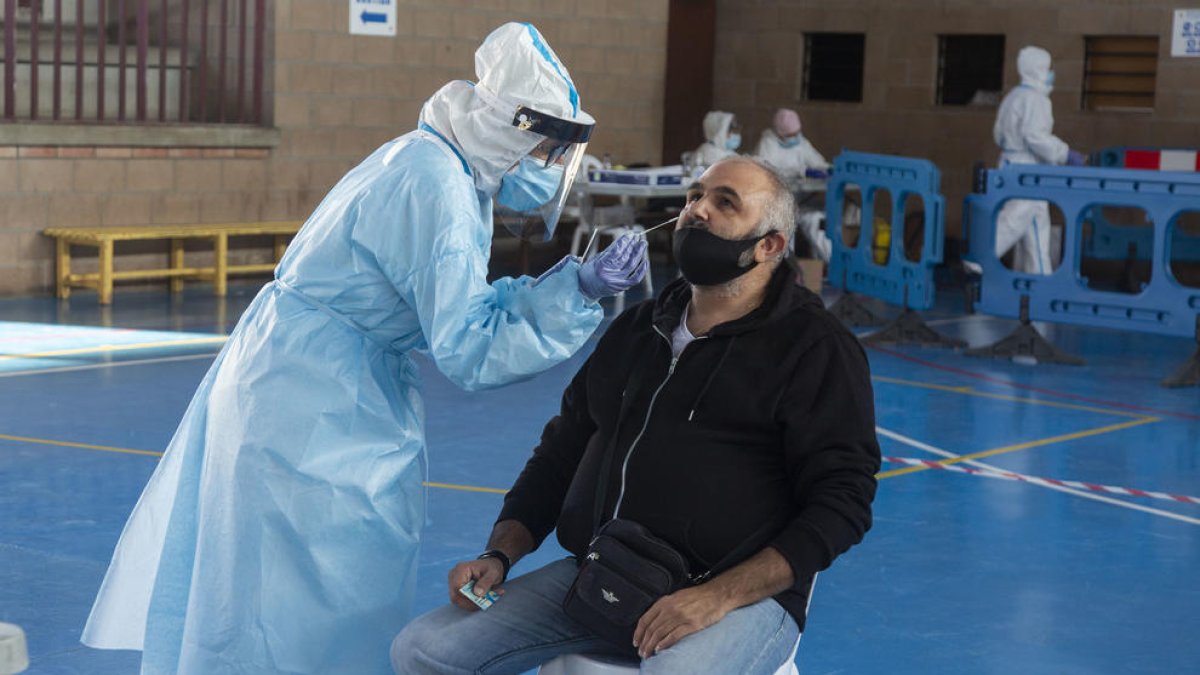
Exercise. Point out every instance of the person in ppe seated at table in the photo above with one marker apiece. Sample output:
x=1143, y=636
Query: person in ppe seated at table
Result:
x=280, y=531
x=788, y=151
x=723, y=136
x=739, y=418
x=1024, y=130
x=794, y=157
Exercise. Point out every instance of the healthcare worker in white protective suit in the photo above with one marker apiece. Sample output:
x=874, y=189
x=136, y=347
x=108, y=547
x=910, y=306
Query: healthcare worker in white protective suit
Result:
x=785, y=148
x=794, y=157
x=1024, y=132
x=280, y=531
x=722, y=136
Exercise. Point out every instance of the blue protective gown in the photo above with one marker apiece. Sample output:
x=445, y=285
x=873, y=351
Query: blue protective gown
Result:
x=280, y=532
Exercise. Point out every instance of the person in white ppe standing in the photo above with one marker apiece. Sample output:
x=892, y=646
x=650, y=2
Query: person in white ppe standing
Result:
x=280, y=531
x=785, y=148
x=1024, y=131
x=722, y=135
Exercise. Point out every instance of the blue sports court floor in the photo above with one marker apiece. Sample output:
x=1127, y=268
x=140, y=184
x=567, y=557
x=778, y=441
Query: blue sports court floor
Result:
x=961, y=574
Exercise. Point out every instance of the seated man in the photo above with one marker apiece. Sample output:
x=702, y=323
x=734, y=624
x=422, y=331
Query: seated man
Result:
x=741, y=415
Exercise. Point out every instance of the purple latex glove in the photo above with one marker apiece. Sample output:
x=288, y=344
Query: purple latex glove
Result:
x=1076, y=158
x=614, y=269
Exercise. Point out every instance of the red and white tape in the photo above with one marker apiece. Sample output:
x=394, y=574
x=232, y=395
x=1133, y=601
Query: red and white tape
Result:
x=1163, y=160
x=1008, y=475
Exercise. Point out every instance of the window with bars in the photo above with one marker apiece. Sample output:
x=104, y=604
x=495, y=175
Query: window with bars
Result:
x=1120, y=72
x=133, y=61
x=970, y=69
x=833, y=66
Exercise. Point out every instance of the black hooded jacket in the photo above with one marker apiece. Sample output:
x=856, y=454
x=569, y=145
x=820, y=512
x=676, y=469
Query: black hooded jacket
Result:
x=762, y=431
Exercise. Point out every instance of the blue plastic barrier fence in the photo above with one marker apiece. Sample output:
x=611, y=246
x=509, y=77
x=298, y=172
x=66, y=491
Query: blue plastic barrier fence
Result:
x=1164, y=305
x=877, y=266
x=1116, y=242
x=854, y=269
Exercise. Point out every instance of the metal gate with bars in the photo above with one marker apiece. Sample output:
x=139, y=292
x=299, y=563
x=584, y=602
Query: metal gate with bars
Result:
x=134, y=61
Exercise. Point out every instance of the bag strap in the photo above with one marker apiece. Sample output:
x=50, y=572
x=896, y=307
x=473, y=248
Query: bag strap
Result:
x=743, y=550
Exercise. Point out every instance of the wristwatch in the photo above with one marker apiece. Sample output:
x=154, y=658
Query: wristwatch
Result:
x=498, y=555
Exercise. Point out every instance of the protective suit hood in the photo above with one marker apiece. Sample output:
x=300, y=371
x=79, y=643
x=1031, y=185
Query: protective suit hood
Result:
x=515, y=67
x=716, y=127
x=786, y=122
x=1033, y=65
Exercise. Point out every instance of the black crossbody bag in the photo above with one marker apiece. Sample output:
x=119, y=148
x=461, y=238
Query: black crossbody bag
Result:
x=627, y=569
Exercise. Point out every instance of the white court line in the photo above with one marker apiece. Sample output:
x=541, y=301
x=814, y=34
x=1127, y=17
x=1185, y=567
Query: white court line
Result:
x=1078, y=493
x=113, y=364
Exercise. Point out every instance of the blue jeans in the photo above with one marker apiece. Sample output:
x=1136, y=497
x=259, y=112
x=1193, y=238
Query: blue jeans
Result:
x=527, y=627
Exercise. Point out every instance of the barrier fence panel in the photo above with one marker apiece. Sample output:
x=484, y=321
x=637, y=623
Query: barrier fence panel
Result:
x=1163, y=304
x=886, y=217
x=1110, y=241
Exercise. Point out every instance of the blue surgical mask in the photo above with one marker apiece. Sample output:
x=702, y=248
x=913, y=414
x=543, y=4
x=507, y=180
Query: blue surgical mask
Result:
x=790, y=142
x=733, y=142
x=1050, y=79
x=529, y=185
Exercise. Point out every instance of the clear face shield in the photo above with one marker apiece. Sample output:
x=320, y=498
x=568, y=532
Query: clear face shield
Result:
x=534, y=191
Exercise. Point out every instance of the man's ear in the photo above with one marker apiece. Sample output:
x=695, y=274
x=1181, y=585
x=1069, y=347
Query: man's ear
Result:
x=770, y=247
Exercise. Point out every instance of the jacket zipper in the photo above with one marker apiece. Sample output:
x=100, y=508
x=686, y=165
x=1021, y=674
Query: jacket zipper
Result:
x=649, y=412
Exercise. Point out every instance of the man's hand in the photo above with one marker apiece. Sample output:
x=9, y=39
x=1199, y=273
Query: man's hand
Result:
x=486, y=572
x=676, y=616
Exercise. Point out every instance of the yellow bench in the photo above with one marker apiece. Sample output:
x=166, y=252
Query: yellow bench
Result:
x=103, y=239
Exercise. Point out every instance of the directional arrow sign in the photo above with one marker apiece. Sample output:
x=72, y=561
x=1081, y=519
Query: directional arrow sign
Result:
x=373, y=17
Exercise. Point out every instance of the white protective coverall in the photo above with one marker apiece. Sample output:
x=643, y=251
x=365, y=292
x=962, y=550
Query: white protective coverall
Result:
x=1024, y=132
x=280, y=531
x=790, y=162
x=716, y=130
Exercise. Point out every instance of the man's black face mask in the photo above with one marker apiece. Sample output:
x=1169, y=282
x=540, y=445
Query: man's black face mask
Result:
x=708, y=260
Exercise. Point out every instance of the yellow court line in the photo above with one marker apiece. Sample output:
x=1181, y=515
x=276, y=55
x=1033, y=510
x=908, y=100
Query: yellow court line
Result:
x=85, y=446
x=1022, y=446
x=970, y=391
x=467, y=488
x=151, y=453
x=104, y=349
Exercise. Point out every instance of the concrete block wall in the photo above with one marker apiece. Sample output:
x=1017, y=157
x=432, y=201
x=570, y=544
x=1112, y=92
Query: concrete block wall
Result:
x=334, y=97
x=759, y=66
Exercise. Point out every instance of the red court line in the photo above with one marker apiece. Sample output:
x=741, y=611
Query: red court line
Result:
x=1040, y=390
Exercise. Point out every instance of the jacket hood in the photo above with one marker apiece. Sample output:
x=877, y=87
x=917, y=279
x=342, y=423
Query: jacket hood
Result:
x=784, y=295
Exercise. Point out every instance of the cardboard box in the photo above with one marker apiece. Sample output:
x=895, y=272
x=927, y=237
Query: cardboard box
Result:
x=812, y=273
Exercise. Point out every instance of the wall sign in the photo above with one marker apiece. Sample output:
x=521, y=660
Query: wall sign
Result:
x=373, y=17
x=1185, y=36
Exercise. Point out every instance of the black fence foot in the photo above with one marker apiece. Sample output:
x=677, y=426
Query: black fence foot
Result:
x=850, y=311
x=1027, y=342
x=1188, y=375
x=910, y=329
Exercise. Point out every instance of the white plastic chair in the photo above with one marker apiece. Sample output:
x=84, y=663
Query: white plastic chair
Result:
x=14, y=657
x=589, y=664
